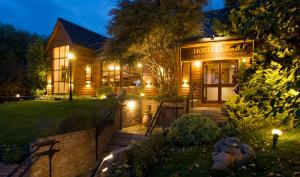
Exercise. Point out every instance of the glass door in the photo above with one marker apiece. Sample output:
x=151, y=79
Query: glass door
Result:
x=219, y=80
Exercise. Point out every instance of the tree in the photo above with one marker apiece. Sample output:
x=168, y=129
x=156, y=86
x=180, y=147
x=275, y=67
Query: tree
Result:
x=13, y=46
x=150, y=31
x=38, y=65
x=275, y=27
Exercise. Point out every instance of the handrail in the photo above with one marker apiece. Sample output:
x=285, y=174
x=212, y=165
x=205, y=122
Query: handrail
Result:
x=34, y=156
x=99, y=128
x=108, y=116
x=155, y=118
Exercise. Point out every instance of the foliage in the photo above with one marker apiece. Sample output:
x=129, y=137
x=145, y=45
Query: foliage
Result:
x=197, y=160
x=13, y=62
x=144, y=156
x=103, y=91
x=11, y=153
x=21, y=122
x=162, y=25
x=193, y=129
x=250, y=109
x=38, y=65
x=275, y=27
x=118, y=170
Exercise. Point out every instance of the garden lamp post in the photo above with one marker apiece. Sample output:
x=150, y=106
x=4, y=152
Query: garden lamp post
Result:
x=70, y=57
x=276, y=133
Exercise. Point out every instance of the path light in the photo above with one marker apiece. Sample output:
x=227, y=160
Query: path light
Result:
x=276, y=133
x=110, y=156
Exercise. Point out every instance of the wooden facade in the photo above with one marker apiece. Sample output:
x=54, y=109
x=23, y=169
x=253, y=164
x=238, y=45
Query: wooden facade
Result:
x=208, y=67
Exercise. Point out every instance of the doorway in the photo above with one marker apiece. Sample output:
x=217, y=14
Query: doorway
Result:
x=219, y=80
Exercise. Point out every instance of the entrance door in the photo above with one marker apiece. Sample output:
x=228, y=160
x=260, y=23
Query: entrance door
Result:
x=219, y=80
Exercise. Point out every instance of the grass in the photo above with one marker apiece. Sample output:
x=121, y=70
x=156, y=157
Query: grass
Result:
x=197, y=161
x=21, y=122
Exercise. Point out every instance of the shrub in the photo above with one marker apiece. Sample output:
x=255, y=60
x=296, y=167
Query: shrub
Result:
x=142, y=157
x=103, y=91
x=11, y=153
x=251, y=108
x=79, y=120
x=193, y=129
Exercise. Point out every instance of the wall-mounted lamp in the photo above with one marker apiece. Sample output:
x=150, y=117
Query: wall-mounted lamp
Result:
x=197, y=63
x=131, y=104
x=139, y=65
x=148, y=84
x=185, y=83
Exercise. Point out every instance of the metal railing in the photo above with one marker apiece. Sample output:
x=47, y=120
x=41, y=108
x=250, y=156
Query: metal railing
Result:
x=109, y=116
x=34, y=156
x=100, y=127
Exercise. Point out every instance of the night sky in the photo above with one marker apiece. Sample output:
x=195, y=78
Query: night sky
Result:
x=39, y=16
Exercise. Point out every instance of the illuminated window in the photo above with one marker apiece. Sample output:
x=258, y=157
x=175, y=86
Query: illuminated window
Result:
x=61, y=69
x=88, y=73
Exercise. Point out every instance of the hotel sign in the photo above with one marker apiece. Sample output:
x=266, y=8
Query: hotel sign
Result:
x=217, y=50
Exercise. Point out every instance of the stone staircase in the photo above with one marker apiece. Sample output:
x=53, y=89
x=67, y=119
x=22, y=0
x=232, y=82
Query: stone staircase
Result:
x=123, y=139
x=215, y=113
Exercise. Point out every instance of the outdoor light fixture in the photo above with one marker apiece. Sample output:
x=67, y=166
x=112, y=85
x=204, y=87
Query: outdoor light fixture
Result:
x=139, y=65
x=71, y=57
x=197, y=63
x=105, y=169
x=244, y=60
x=88, y=83
x=185, y=83
x=110, y=156
x=131, y=104
x=276, y=133
x=148, y=84
x=18, y=95
x=142, y=94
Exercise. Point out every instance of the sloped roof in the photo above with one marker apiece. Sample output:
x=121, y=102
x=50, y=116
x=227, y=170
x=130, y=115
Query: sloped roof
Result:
x=82, y=36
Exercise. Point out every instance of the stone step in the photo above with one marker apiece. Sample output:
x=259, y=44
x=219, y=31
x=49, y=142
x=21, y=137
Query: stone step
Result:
x=130, y=136
x=122, y=141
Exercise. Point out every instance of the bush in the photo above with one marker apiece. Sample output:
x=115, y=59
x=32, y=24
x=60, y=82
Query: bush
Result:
x=193, y=129
x=80, y=120
x=142, y=157
x=11, y=153
x=103, y=91
x=251, y=109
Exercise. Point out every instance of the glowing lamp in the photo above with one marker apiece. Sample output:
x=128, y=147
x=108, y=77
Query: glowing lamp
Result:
x=109, y=157
x=197, y=63
x=18, y=95
x=142, y=94
x=139, y=65
x=70, y=56
x=276, y=133
x=244, y=60
x=131, y=104
x=105, y=169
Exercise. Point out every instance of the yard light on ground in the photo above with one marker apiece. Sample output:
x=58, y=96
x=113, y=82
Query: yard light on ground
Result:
x=110, y=156
x=276, y=133
x=18, y=95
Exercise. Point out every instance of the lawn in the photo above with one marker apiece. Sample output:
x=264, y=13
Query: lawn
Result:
x=196, y=161
x=23, y=121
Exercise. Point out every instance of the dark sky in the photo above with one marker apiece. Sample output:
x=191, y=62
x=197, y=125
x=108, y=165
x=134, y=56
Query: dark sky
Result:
x=39, y=16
